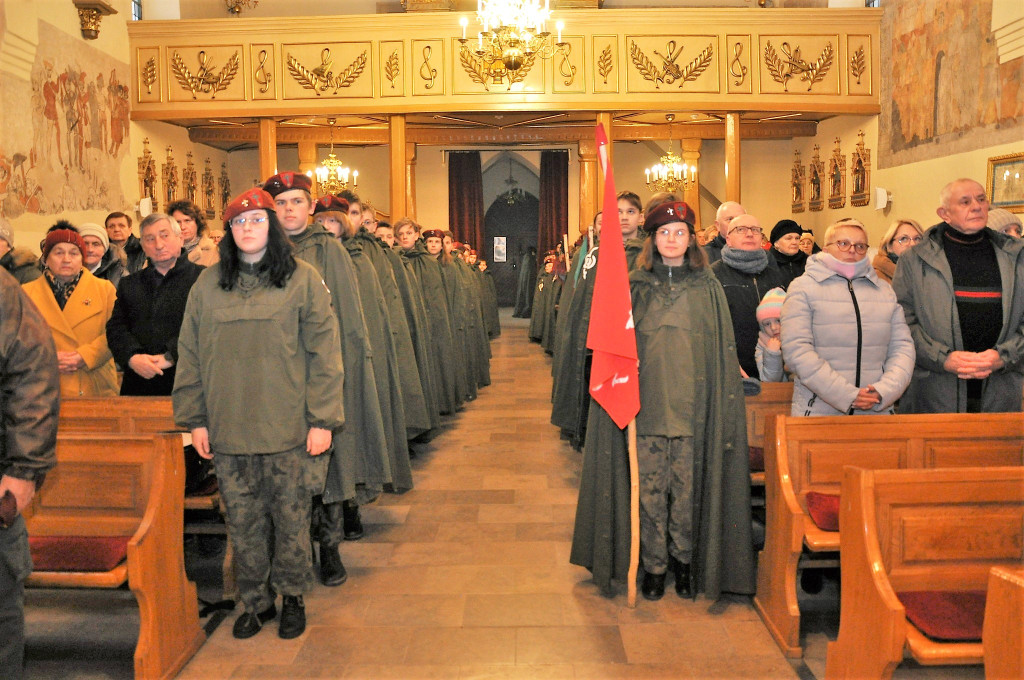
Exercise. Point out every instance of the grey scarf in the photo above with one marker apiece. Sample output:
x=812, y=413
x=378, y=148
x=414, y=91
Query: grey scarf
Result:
x=746, y=261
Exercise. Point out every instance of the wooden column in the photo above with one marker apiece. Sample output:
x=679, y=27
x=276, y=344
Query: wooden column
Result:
x=396, y=152
x=307, y=162
x=732, y=157
x=691, y=156
x=589, y=202
x=268, y=148
x=605, y=118
x=410, y=182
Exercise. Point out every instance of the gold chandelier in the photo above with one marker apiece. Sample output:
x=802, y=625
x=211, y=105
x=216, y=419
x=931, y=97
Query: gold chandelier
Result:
x=514, y=34
x=670, y=174
x=332, y=175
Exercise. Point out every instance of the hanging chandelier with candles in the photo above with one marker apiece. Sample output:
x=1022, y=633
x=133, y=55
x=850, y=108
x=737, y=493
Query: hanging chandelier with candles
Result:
x=514, y=34
x=332, y=175
x=670, y=174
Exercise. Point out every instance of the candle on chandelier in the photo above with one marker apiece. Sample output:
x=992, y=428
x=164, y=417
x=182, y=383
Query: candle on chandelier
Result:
x=463, y=22
x=355, y=178
x=560, y=25
x=648, y=173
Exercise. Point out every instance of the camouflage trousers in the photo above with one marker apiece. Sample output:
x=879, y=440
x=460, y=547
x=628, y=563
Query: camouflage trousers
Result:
x=267, y=498
x=666, y=500
x=328, y=522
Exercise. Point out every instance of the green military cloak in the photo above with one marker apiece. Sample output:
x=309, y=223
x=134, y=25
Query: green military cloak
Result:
x=476, y=332
x=458, y=312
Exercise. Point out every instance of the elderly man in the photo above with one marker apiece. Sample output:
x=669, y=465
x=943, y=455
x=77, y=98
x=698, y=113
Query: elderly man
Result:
x=119, y=231
x=746, y=273
x=143, y=329
x=962, y=291
x=725, y=215
x=19, y=262
x=28, y=425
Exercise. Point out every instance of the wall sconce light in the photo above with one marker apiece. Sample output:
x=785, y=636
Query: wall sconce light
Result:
x=90, y=12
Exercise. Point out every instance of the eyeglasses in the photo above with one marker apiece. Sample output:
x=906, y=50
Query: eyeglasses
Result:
x=904, y=240
x=254, y=222
x=844, y=246
x=743, y=231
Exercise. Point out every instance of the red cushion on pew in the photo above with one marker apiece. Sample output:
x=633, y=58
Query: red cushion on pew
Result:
x=756, y=459
x=824, y=510
x=945, y=615
x=78, y=553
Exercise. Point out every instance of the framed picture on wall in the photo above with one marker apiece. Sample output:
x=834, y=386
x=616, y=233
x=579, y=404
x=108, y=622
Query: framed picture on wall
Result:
x=1006, y=182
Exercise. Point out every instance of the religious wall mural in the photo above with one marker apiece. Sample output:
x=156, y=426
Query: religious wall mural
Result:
x=62, y=146
x=946, y=92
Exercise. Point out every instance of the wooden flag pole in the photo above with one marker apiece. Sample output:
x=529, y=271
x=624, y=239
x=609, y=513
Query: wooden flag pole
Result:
x=634, y=515
x=565, y=248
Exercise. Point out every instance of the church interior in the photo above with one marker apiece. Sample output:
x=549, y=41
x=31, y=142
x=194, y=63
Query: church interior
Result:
x=807, y=110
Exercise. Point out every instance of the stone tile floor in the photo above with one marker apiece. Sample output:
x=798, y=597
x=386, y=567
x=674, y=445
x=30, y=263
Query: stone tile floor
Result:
x=467, y=576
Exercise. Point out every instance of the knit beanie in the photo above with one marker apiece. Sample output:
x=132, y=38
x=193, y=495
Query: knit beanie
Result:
x=783, y=227
x=93, y=229
x=6, y=233
x=998, y=219
x=62, y=232
x=771, y=305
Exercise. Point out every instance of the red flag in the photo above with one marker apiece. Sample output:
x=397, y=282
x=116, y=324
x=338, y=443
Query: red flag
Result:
x=614, y=376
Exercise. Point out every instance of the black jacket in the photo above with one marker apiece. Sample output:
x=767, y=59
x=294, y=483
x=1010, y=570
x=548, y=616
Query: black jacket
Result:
x=713, y=248
x=147, y=319
x=744, y=293
x=133, y=250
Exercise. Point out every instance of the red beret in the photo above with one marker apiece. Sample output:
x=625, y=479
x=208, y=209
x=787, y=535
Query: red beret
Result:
x=433, y=233
x=286, y=181
x=666, y=213
x=330, y=203
x=252, y=199
x=62, y=236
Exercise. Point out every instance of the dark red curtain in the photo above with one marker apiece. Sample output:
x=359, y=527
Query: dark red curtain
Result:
x=554, y=200
x=466, y=197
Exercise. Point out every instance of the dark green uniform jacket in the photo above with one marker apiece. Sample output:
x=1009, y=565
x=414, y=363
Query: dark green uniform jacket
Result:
x=526, y=283
x=476, y=332
x=564, y=302
x=689, y=385
x=441, y=341
x=259, y=366
x=412, y=302
x=360, y=459
x=539, y=308
x=416, y=419
x=385, y=366
x=460, y=353
x=547, y=336
x=489, y=295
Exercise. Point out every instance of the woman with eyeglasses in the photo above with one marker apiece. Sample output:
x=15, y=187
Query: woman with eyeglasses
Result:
x=259, y=385
x=902, y=235
x=844, y=336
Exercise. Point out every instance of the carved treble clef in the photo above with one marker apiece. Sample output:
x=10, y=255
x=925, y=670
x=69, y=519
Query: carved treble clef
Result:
x=427, y=72
x=737, y=65
x=565, y=67
x=262, y=75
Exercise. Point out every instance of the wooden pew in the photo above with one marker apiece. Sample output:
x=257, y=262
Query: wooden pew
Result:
x=115, y=485
x=774, y=400
x=1003, y=633
x=808, y=454
x=905, y=531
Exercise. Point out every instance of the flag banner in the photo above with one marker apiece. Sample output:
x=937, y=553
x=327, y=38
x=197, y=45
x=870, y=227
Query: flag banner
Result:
x=614, y=375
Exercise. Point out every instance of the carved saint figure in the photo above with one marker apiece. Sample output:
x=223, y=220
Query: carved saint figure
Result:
x=815, y=185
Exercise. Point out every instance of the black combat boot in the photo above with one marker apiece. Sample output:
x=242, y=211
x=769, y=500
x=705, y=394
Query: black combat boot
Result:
x=352, y=523
x=682, y=573
x=248, y=624
x=653, y=586
x=332, y=571
x=293, y=617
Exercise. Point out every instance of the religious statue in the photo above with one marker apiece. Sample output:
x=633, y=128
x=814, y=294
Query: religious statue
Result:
x=816, y=174
x=170, y=178
x=815, y=185
x=225, y=187
x=189, y=179
x=147, y=173
x=860, y=173
x=797, y=183
x=208, y=189
x=837, y=178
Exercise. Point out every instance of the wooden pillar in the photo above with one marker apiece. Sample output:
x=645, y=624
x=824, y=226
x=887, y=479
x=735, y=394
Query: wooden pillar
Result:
x=589, y=202
x=396, y=153
x=605, y=118
x=410, y=182
x=307, y=163
x=732, y=157
x=268, y=148
x=691, y=156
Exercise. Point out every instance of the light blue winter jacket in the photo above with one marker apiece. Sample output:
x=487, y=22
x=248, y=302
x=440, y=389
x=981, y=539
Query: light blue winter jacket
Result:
x=832, y=328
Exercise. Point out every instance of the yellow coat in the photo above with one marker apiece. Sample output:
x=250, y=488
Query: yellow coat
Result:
x=81, y=327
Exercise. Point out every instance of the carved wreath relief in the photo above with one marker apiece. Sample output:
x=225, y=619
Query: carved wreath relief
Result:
x=858, y=64
x=782, y=70
x=322, y=78
x=149, y=74
x=204, y=80
x=604, y=63
x=391, y=70
x=670, y=71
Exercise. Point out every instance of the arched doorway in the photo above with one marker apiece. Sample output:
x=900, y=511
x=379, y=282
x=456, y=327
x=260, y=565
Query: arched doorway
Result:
x=511, y=186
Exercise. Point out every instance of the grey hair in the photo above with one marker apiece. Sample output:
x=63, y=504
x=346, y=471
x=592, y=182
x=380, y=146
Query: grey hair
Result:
x=153, y=218
x=893, y=228
x=947, y=191
x=847, y=222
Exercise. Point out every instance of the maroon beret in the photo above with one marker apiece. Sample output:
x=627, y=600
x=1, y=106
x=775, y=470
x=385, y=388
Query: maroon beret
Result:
x=432, y=233
x=252, y=199
x=286, y=181
x=330, y=203
x=666, y=213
